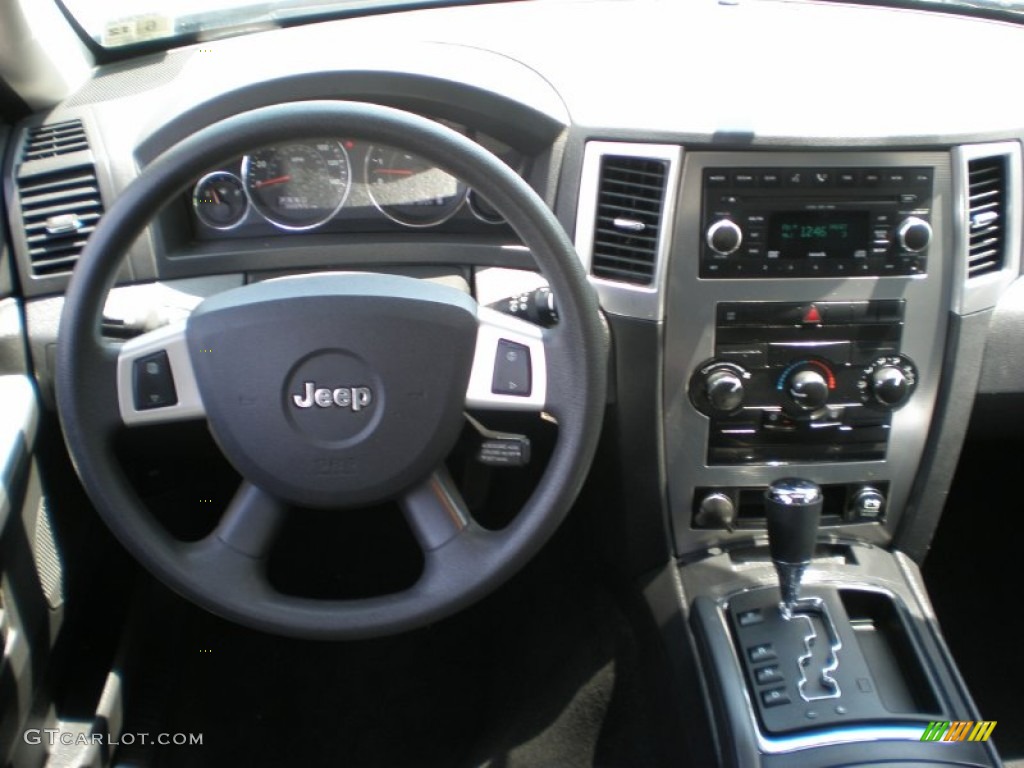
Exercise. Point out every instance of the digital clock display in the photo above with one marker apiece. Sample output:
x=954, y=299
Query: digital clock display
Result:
x=818, y=234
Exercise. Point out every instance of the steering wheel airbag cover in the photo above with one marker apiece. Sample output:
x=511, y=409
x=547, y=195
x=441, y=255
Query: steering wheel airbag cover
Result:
x=357, y=389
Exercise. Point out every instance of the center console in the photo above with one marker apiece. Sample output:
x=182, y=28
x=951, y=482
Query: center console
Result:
x=806, y=306
x=806, y=314
x=806, y=303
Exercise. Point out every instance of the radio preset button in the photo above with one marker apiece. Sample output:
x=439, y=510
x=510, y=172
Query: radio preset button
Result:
x=770, y=179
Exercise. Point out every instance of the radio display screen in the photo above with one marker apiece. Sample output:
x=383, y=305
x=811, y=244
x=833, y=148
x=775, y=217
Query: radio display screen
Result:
x=818, y=234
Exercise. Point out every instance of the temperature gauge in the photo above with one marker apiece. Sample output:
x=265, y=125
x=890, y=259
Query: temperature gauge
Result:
x=219, y=200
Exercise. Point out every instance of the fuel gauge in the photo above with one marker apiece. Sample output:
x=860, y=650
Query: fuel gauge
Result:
x=219, y=200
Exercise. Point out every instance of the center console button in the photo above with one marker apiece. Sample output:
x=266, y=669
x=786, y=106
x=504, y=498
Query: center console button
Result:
x=775, y=697
x=761, y=652
x=769, y=674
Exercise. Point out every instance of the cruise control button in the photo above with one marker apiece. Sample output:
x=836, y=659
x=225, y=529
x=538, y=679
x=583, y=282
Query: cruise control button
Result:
x=511, y=369
x=153, y=382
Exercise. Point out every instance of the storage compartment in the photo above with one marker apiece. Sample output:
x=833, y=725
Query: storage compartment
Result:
x=890, y=653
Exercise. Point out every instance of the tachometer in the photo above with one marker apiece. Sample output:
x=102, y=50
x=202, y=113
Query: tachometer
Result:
x=408, y=189
x=299, y=185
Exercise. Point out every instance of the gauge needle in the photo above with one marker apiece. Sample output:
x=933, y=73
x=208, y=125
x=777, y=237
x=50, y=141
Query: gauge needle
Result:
x=215, y=196
x=275, y=180
x=393, y=171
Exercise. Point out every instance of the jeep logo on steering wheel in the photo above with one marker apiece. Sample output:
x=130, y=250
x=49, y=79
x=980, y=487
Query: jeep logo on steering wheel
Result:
x=355, y=398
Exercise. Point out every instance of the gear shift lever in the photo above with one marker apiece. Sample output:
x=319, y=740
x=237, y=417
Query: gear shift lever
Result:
x=792, y=508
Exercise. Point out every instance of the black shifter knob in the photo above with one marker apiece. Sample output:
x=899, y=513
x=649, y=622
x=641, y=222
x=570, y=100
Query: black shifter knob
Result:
x=792, y=509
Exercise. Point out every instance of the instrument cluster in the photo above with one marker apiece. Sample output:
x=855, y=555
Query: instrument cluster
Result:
x=333, y=183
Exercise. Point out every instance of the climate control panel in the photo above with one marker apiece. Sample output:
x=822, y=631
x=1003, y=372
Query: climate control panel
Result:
x=803, y=382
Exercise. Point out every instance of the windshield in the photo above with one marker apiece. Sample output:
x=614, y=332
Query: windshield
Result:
x=119, y=23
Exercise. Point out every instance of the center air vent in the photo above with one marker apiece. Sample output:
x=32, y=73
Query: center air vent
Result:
x=59, y=212
x=54, y=140
x=986, y=215
x=631, y=192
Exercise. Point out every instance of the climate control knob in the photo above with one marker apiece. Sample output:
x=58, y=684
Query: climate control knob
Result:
x=717, y=387
x=807, y=389
x=914, y=234
x=888, y=382
x=724, y=390
x=724, y=237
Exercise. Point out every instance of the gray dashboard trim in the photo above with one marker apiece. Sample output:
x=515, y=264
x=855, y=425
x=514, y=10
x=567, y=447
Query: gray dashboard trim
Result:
x=1002, y=370
x=618, y=298
x=689, y=340
x=972, y=294
x=959, y=382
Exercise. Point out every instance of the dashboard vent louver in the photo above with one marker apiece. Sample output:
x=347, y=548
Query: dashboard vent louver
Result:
x=629, y=209
x=986, y=215
x=54, y=140
x=59, y=212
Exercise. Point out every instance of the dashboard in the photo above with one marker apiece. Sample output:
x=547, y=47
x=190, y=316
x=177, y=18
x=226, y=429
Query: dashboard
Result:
x=691, y=200
x=807, y=254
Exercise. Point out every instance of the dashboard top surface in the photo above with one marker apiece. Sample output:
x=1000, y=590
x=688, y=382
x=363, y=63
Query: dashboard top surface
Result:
x=759, y=70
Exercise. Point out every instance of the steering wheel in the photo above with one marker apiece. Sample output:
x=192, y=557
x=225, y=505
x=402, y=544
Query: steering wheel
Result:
x=332, y=391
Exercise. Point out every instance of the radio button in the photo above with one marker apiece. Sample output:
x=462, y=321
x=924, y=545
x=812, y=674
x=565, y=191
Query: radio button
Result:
x=872, y=178
x=896, y=178
x=716, y=179
x=821, y=178
x=744, y=180
x=847, y=178
x=771, y=179
x=795, y=178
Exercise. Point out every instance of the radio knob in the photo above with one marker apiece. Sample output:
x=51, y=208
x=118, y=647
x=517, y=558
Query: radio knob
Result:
x=914, y=234
x=808, y=390
x=724, y=237
x=723, y=389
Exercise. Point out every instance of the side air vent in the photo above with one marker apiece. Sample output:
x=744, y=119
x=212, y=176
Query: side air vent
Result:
x=986, y=215
x=631, y=191
x=59, y=212
x=55, y=140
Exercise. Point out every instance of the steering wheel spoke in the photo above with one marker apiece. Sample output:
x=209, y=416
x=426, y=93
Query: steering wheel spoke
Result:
x=251, y=521
x=509, y=365
x=155, y=380
x=436, y=511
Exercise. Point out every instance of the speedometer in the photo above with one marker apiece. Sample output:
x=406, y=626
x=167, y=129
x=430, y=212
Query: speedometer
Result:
x=409, y=190
x=299, y=185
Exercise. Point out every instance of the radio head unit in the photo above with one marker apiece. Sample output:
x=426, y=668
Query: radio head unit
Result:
x=815, y=222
